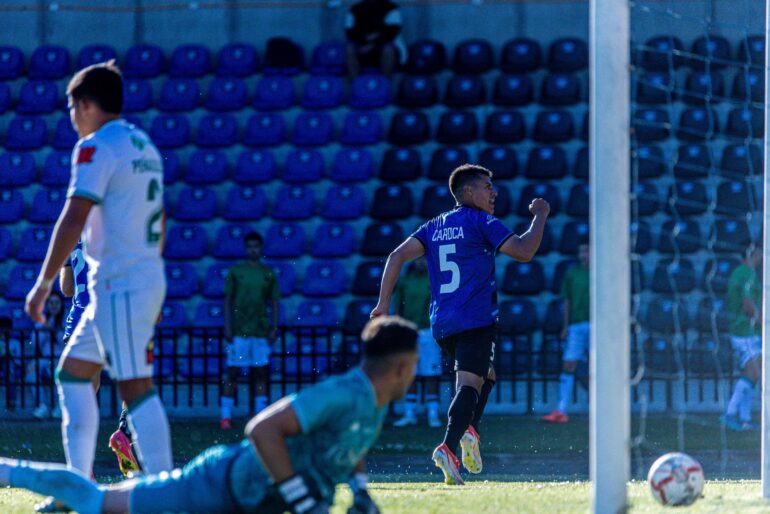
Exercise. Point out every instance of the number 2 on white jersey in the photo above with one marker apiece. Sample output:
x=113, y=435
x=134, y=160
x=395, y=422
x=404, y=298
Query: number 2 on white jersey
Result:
x=446, y=265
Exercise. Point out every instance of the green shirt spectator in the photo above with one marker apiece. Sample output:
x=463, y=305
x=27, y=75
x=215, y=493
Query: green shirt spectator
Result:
x=250, y=286
x=575, y=290
x=413, y=299
x=744, y=284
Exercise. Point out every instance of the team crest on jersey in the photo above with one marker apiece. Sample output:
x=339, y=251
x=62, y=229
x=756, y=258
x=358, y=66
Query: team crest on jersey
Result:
x=490, y=219
x=86, y=154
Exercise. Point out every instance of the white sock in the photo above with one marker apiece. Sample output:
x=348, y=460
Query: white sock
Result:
x=79, y=424
x=735, y=400
x=566, y=383
x=152, y=438
x=744, y=409
x=410, y=403
x=261, y=403
x=227, y=407
x=432, y=402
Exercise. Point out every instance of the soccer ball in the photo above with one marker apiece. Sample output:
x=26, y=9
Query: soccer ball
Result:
x=676, y=479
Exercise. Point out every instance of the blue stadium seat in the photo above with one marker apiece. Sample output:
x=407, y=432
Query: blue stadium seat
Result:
x=716, y=273
x=294, y=203
x=313, y=129
x=26, y=133
x=17, y=169
x=33, y=243
x=381, y=238
x=11, y=63
x=680, y=236
x=560, y=89
x=344, y=203
x=567, y=55
x=38, y=97
x=64, y=135
x=144, y=62
x=95, y=54
x=229, y=241
x=749, y=86
x=417, y=92
x=655, y=87
x=641, y=237
x=673, y=276
x=245, y=203
x=400, y=164
x=710, y=52
x=444, y=160
x=181, y=280
x=409, y=128
x=287, y=276
x=137, y=95
x=357, y=316
x=322, y=93
x=704, y=88
x=206, y=167
x=274, y=94
x=333, y=240
x=186, y=242
x=741, y=161
x=435, y=200
x=745, y=122
x=173, y=315
x=49, y=62
x=5, y=98
x=546, y=244
x=362, y=128
x=190, y=61
x=645, y=200
x=465, y=91
x=729, y=236
x=693, y=161
x=20, y=280
x=226, y=94
x=314, y=313
x=573, y=232
x=502, y=160
x=170, y=131
x=426, y=57
x=687, y=198
x=555, y=126
x=648, y=160
x=513, y=90
x=523, y=278
x=580, y=171
x=217, y=130
x=209, y=313
x=196, y=204
x=392, y=202
x=46, y=206
x=283, y=57
x=265, y=129
x=546, y=191
x=661, y=53
x=134, y=120
x=650, y=124
x=521, y=55
x=284, y=240
x=254, y=167
x=736, y=198
x=324, y=278
x=546, y=162
x=577, y=202
x=473, y=56
x=518, y=316
x=366, y=281
x=11, y=206
x=214, y=280
x=329, y=58
x=19, y=319
x=751, y=50
x=505, y=127
x=170, y=166
x=352, y=165
x=237, y=60
x=303, y=166
x=6, y=241
x=56, y=169
x=457, y=127
x=697, y=124
x=370, y=92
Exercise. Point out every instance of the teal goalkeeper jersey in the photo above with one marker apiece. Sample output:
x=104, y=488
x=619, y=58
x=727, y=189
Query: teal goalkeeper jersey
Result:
x=339, y=420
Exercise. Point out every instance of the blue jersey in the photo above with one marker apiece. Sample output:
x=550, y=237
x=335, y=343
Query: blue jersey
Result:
x=80, y=285
x=460, y=247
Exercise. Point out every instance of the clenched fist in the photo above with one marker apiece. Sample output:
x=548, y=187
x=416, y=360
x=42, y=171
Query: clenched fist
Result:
x=539, y=207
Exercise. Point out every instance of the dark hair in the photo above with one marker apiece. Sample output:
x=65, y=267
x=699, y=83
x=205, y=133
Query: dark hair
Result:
x=253, y=236
x=464, y=175
x=99, y=83
x=59, y=321
x=388, y=335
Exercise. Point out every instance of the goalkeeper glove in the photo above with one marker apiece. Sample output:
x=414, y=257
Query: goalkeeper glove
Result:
x=299, y=497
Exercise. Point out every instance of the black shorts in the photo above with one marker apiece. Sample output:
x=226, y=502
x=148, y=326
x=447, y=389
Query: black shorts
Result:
x=473, y=350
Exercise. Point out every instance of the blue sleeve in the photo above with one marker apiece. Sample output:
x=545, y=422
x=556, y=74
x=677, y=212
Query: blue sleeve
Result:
x=318, y=405
x=421, y=234
x=494, y=231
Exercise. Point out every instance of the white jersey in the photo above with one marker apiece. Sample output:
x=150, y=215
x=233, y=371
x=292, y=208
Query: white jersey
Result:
x=120, y=169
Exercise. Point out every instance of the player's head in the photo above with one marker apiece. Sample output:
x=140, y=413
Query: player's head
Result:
x=94, y=96
x=389, y=354
x=753, y=254
x=471, y=185
x=253, y=244
x=584, y=251
x=54, y=308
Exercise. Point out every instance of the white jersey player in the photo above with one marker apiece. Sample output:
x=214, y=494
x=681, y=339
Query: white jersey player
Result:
x=115, y=200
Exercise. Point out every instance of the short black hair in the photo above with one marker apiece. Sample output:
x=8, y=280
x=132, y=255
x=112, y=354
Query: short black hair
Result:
x=253, y=236
x=100, y=83
x=388, y=335
x=463, y=175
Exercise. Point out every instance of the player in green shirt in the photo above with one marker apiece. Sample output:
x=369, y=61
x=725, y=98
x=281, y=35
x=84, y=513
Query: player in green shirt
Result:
x=249, y=289
x=575, y=291
x=744, y=305
x=412, y=297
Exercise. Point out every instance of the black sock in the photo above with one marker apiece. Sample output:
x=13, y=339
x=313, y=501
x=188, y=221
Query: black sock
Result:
x=460, y=416
x=123, y=424
x=486, y=388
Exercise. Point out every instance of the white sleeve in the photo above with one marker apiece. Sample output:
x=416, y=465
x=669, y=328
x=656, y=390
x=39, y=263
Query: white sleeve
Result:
x=92, y=167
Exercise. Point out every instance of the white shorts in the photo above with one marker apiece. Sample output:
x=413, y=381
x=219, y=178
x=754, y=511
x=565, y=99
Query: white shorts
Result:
x=245, y=352
x=578, y=341
x=429, y=364
x=746, y=348
x=117, y=327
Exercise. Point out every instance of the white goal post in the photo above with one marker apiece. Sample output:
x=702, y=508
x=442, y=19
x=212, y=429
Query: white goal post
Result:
x=765, y=281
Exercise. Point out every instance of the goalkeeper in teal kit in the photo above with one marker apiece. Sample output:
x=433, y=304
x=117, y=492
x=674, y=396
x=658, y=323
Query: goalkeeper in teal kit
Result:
x=295, y=453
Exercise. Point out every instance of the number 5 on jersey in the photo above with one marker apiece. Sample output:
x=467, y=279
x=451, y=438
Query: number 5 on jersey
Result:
x=444, y=251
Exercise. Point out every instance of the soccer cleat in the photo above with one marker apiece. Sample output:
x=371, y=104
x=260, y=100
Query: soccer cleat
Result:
x=226, y=424
x=471, y=454
x=731, y=422
x=51, y=504
x=121, y=445
x=447, y=462
x=406, y=421
x=556, y=416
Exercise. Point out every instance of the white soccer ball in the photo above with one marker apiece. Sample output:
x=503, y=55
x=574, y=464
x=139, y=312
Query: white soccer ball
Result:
x=676, y=479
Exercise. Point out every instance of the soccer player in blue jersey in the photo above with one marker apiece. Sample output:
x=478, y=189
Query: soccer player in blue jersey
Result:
x=460, y=246
x=295, y=453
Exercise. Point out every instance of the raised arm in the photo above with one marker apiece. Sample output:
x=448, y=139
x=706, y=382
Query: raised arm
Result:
x=268, y=432
x=524, y=247
x=409, y=250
